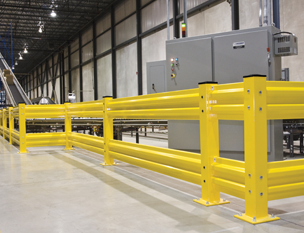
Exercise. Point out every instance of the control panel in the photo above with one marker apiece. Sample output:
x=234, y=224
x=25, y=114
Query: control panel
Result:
x=174, y=66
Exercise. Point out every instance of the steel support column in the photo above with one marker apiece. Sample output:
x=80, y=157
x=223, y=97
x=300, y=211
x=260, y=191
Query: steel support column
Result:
x=52, y=77
x=176, y=32
x=235, y=15
x=276, y=13
x=139, y=48
x=113, y=53
x=80, y=68
x=95, y=84
x=62, y=83
x=70, y=73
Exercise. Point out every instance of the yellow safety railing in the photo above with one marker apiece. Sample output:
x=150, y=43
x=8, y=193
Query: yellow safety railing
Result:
x=84, y=109
x=253, y=101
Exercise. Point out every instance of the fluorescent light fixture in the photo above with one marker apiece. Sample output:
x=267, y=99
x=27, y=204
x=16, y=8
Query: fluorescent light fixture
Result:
x=25, y=50
x=53, y=13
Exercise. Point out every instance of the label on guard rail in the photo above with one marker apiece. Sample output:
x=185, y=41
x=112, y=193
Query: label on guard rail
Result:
x=239, y=45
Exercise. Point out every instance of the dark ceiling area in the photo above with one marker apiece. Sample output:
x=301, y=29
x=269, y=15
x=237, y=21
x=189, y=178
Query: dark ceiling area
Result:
x=27, y=15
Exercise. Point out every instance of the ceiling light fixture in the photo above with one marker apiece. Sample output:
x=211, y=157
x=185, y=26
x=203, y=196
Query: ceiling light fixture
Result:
x=53, y=13
x=13, y=67
x=25, y=50
x=20, y=56
x=16, y=63
x=40, y=29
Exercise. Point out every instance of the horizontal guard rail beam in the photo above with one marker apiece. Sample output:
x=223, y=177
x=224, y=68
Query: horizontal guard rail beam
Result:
x=175, y=99
x=231, y=188
x=229, y=96
x=93, y=113
x=87, y=147
x=86, y=139
x=160, y=168
x=169, y=114
x=285, y=111
x=167, y=157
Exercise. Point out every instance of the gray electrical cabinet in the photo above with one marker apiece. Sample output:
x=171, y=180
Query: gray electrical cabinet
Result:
x=156, y=77
x=224, y=58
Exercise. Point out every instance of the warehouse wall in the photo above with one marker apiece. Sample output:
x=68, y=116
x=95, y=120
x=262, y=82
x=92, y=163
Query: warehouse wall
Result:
x=210, y=19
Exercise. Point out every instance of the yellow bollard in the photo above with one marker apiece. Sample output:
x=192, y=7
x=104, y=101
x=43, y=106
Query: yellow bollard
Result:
x=4, y=120
x=209, y=142
x=22, y=127
x=255, y=133
x=67, y=127
x=11, y=124
x=107, y=132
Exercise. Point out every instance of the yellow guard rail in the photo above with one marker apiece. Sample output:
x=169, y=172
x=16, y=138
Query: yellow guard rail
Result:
x=253, y=101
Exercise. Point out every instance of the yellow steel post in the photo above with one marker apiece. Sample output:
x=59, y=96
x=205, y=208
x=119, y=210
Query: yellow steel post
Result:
x=255, y=140
x=67, y=127
x=11, y=124
x=22, y=127
x=4, y=120
x=209, y=142
x=107, y=132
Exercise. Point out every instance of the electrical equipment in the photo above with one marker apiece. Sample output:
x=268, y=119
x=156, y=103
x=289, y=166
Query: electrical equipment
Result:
x=285, y=45
x=184, y=30
x=224, y=58
x=72, y=97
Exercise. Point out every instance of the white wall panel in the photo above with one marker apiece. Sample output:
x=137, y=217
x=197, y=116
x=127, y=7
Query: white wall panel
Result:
x=57, y=89
x=143, y=2
x=124, y=9
x=249, y=13
x=87, y=52
x=104, y=75
x=66, y=64
x=87, y=35
x=218, y=18
x=75, y=59
x=292, y=20
x=66, y=51
x=155, y=14
x=103, y=24
x=50, y=62
x=88, y=82
x=45, y=90
x=75, y=45
x=75, y=83
x=126, y=71
x=125, y=30
x=103, y=43
x=66, y=86
x=50, y=89
x=153, y=49
x=190, y=4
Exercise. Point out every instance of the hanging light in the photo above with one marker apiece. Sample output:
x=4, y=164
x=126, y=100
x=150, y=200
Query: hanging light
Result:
x=25, y=50
x=53, y=13
x=13, y=67
x=40, y=29
x=16, y=63
x=20, y=56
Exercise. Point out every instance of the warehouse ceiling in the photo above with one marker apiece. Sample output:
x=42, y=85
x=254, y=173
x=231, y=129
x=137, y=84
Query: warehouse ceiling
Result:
x=27, y=15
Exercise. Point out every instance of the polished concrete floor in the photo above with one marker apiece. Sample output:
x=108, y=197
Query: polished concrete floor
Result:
x=52, y=190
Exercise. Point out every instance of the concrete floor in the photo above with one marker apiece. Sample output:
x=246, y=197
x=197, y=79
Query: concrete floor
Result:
x=52, y=190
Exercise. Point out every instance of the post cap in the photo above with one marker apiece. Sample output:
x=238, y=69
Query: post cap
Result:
x=208, y=82
x=254, y=75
